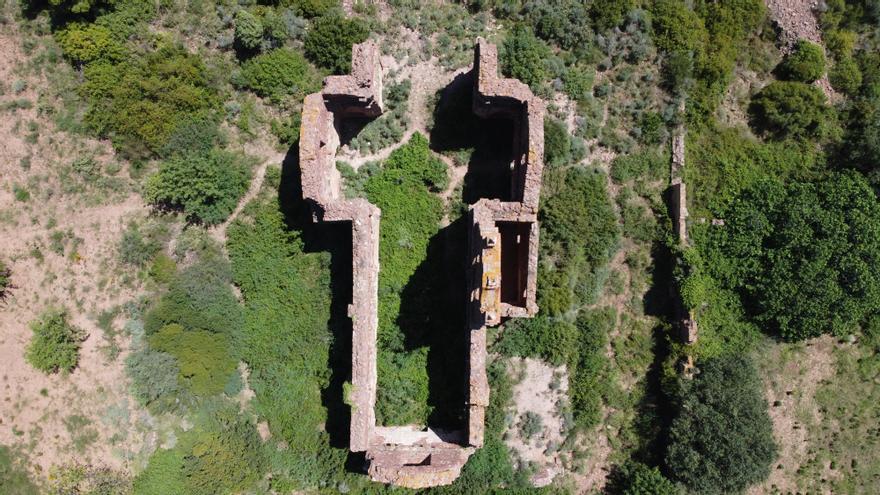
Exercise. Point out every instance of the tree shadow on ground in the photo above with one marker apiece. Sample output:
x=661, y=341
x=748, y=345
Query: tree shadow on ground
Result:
x=488, y=142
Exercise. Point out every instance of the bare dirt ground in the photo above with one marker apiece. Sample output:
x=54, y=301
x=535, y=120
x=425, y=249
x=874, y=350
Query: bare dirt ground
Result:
x=86, y=416
x=539, y=391
x=797, y=19
x=793, y=374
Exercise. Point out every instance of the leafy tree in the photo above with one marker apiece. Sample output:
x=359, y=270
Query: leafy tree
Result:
x=206, y=187
x=721, y=440
x=248, y=30
x=523, y=55
x=806, y=63
x=566, y=23
x=802, y=254
x=55, y=344
x=329, y=40
x=141, y=101
x=279, y=73
x=789, y=109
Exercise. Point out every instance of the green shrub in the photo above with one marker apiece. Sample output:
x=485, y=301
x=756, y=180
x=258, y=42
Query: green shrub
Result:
x=677, y=28
x=648, y=165
x=802, y=254
x=312, y=8
x=221, y=454
x=639, y=479
x=206, y=187
x=574, y=247
x=556, y=143
x=248, y=30
x=134, y=248
x=806, y=63
x=5, y=281
x=55, y=344
x=286, y=338
x=789, y=109
x=199, y=298
x=329, y=40
x=551, y=339
x=139, y=102
x=203, y=357
x=85, y=43
x=721, y=440
x=154, y=379
x=522, y=56
x=279, y=73
x=163, y=268
x=845, y=76
x=14, y=477
x=589, y=381
x=862, y=139
x=196, y=134
x=578, y=83
x=566, y=23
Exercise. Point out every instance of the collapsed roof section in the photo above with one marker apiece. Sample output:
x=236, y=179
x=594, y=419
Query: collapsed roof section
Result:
x=502, y=263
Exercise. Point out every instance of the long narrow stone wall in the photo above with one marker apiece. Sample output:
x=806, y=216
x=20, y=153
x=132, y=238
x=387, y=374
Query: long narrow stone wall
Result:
x=406, y=455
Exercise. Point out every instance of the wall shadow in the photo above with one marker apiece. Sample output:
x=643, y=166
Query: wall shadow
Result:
x=489, y=141
x=335, y=238
x=432, y=315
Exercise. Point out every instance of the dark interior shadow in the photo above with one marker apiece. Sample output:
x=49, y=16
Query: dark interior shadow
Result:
x=432, y=315
x=488, y=140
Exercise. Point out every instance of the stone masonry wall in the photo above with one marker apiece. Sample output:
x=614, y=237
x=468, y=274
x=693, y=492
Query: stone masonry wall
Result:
x=408, y=456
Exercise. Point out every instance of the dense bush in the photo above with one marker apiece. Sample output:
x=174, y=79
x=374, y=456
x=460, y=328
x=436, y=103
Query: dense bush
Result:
x=221, y=454
x=279, y=73
x=639, y=479
x=286, y=338
x=557, y=148
x=802, y=254
x=404, y=189
x=721, y=440
x=248, y=30
x=845, y=76
x=789, y=109
x=199, y=298
x=85, y=43
x=565, y=23
x=806, y=63
x=677, y=28
x=203, y=358
x=329, y=40
x=206, y=187
x=646, y=165
x=136, y=248
x=522, y=56
x=139, y=102
x=55, y=344
x=388, y=129
x=154, y=379
x=862, y=143
x=574, y=246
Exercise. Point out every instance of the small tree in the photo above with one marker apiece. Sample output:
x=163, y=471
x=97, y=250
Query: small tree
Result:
x=722, y=438
x=639, y=479
x=328, y=43
x=789, y=109
x=523, y=55
x=206, y=187
x=248, y=30
x=806, y=63
x=55, y=344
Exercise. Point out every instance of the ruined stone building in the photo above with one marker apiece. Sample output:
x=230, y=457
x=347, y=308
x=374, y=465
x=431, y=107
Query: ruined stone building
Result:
x=502, y=259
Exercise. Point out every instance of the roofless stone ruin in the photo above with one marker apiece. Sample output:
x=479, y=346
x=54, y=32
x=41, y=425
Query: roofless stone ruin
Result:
x=501, y=265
